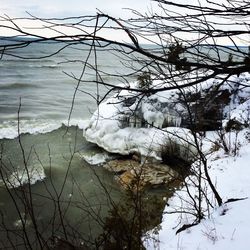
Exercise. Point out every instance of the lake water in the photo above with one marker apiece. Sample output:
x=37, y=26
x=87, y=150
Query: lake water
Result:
x=44, y=86
x=69, y=197
x=48, y=152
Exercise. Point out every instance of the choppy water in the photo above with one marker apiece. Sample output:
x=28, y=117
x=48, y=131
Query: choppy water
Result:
x=53, y=152
x=49, y=154
x=67, y=175
x=45, y=90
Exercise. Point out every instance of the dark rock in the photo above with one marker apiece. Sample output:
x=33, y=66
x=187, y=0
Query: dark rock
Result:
x=233, y=124
x=205, y=109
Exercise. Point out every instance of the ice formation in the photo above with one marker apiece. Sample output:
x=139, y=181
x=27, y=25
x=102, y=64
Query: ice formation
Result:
x=126, y=123
x=129, y=122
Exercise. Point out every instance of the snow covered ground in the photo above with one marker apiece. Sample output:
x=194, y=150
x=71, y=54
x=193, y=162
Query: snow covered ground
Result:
x=228, y=226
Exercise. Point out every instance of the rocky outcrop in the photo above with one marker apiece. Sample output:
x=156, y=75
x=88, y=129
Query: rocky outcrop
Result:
x=134, y=176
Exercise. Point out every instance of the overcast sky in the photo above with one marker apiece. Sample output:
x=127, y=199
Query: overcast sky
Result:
x=63, y=8
x=67, y=8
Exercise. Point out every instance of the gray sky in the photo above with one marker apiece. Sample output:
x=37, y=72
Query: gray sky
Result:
x=63, y=8
x=66, y=8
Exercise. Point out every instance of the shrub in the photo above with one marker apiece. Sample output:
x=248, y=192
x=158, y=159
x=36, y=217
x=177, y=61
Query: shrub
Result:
x=144, y=81
x=174, y=155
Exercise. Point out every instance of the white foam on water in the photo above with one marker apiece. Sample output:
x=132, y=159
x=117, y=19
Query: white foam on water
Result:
x=9, y=129
x=96, y=158
x=24, y=219
x=22, y=176
x=81, y=124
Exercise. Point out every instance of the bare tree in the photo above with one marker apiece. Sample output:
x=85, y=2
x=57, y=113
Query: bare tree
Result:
x=186, y=49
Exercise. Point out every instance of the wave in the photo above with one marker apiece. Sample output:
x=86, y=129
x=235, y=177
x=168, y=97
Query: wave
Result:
x=17, y=86
x=52, y=66
x=22, y=176
x=18, y=60
x=9, y=129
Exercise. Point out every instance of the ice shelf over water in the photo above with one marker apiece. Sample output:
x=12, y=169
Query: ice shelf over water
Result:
x=129, y=122
x=126, y=123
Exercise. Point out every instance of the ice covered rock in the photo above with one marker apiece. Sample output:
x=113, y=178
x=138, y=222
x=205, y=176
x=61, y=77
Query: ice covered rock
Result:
x=127, y=123
x=131, y=122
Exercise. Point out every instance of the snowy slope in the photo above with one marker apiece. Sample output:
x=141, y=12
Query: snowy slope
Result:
x=228, y=226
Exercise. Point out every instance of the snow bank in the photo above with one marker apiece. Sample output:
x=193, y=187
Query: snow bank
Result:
x=225, y=227
x=239, y=107
x=228, y=226
x=128, y=122
x=106, y=127
x=147, y=142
